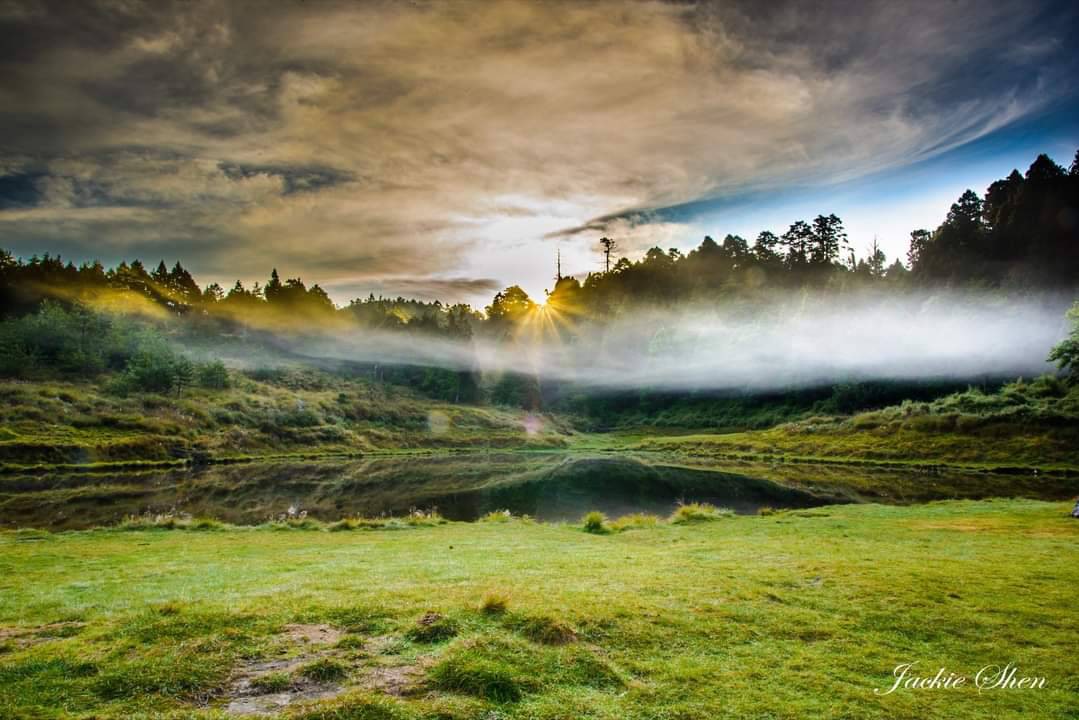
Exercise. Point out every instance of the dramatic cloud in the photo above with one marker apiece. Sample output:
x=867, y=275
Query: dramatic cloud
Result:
x=352, y=143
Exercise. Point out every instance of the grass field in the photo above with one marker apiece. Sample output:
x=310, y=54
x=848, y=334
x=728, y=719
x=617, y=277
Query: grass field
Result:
x=790, y=615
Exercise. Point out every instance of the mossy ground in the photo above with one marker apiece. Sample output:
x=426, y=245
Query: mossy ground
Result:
x=792, y=615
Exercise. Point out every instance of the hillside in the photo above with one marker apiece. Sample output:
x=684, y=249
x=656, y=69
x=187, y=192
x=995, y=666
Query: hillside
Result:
x=261, y=413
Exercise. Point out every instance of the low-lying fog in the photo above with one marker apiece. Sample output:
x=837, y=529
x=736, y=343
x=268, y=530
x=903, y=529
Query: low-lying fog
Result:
x=785, y=343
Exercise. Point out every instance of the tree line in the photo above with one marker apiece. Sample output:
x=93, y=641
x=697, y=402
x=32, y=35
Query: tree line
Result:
x=1023, y=233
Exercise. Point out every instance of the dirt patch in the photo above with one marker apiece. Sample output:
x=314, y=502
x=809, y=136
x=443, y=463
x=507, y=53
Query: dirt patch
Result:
x=396, y=680
x=248, y=697
x=273, y=703
x=266, y=687
x=313, y=634
x=382, y=645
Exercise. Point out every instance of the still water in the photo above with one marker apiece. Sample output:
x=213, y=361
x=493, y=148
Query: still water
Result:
x=548, y=487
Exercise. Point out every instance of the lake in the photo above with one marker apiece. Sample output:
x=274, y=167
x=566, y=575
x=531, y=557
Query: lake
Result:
x=546, y=486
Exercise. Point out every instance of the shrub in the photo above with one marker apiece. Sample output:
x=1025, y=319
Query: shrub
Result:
x=595, y=522
x=699, y=512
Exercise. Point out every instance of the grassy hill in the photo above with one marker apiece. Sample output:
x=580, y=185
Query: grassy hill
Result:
x=264, y=413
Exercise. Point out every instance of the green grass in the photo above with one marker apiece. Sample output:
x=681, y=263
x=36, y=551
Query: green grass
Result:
x=790, y=615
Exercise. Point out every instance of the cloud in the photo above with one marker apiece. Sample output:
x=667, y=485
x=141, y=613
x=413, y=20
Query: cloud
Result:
x=369, y=140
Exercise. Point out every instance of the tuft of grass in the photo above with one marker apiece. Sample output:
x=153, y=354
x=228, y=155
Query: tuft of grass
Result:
x=634, y=521
x=494, y=603
x=482, y=668
x=357, y=523
x=595, y=522
x=417, y=516
x=699, y=512
x=171, y=607
x=766, y=510
x=324, y=670
x=497, y=516
x=274, y=682
x=432, y=627
x=360, y=706
x=542, y=629
x=503, y=669
x=353, y=619
x=168, y=521
x=350, y=642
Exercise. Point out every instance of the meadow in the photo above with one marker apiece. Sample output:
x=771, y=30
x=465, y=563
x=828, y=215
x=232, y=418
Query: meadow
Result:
x=783, y=615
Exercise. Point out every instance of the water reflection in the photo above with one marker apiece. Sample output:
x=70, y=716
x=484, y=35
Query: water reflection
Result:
x=466, y=486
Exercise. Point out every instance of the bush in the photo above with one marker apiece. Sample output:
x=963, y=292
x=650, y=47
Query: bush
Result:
x=595, y=522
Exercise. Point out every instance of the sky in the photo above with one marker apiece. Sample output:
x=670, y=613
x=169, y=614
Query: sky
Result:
x=449, y=149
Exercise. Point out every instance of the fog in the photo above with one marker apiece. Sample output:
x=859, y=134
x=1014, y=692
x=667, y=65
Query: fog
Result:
x=784, y=343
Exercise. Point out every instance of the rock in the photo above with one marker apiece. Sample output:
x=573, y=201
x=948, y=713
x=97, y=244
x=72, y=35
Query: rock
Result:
x=1075, y=510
